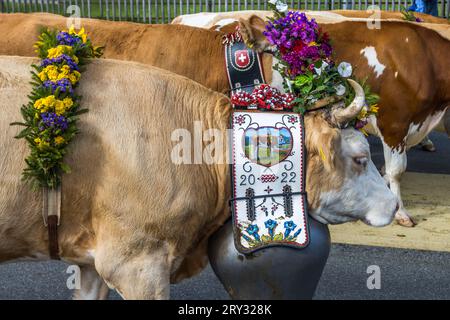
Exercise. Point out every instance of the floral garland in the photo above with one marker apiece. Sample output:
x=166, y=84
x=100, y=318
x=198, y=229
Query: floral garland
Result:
x=51, y=115
x=304, y=53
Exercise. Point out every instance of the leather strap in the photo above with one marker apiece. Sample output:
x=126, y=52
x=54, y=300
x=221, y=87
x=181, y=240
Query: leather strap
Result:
x=51, y=212
x=244, y=69
x=53, y=246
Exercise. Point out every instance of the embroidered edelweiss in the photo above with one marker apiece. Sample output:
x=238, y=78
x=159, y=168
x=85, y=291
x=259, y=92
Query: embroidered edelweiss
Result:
x=240, y=120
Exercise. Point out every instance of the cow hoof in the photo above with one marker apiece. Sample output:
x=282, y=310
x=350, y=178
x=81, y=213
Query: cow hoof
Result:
x=429, y=147
x=406, y=222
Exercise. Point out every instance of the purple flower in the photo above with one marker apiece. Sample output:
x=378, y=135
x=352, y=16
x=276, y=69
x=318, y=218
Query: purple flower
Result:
x=68, y=39
x=53, y=121
x=360, y=124
x=64, y=85
x=64, y=58
x=298, y=40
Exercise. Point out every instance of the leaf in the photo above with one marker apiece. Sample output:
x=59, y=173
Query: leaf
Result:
x=65, y=167
x=278, y=237
x=301, y=80
x=18, y=124
x=266, y=238
x=23, y=133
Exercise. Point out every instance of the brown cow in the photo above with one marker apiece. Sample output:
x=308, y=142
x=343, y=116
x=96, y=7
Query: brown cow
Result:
x=130, y=213
x=413, y=97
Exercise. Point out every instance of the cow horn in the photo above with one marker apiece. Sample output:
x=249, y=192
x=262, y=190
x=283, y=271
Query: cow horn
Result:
x=341, y=116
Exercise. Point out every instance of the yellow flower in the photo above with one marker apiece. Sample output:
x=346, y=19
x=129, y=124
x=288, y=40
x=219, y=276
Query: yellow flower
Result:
x=68, y=102
x=65, y=68
x=43, y=104
x=363, y=113
x=38, y=104
x=40, y=144
x=59, y=140
x=72, y=29
x=49, y=101
x=74, y=77
x=59, y=50
x=42, y=75
x=53, y=74
x=374, y=108
x=81, y=33
x=60, y=108
x=312, y=44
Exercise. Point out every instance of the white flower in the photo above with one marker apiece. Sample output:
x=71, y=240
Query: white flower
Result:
x=345, y=69
x=281, y=6
x=340, y=89
x=322, y=68
x=274, y=2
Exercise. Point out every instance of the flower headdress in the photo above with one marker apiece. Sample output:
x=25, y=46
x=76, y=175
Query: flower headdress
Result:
x=305, y=61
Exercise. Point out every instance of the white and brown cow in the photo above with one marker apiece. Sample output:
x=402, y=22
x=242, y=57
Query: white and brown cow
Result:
x=131, y=217
x=413, y=96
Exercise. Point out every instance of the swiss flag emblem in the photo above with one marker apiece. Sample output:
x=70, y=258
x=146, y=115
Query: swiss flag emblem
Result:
x=242, y=59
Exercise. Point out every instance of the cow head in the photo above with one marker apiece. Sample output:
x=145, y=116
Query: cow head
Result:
x=342, y=182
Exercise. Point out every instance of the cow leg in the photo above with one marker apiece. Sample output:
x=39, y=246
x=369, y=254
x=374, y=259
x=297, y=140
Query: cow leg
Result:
x=143, y=274
x=92, y=285
x=395, y=165
x=427, y=145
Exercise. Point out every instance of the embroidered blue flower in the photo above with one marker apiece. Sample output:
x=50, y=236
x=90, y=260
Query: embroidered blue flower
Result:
x=253, y=231
x=271, y=225
x=289, y=226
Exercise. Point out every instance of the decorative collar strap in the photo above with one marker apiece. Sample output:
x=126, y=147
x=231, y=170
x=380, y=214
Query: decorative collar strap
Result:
x=244, y=69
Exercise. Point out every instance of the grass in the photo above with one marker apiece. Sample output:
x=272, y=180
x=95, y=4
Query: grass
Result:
x=163, y=11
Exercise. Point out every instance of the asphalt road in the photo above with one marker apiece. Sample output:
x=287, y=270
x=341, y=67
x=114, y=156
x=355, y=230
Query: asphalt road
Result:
x=405, y=274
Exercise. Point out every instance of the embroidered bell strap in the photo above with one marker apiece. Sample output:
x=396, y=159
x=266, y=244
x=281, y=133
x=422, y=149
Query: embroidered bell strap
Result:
x=269, y=204
x=51, y=212
x=244, y=69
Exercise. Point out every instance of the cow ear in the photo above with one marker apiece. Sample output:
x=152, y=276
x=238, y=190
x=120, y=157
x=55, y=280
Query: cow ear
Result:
x=252, y=30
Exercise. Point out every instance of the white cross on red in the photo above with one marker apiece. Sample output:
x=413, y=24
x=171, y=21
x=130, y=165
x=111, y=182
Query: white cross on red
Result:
x=242, y=58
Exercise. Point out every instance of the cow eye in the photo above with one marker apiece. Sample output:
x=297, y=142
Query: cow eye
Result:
x=361, y=161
